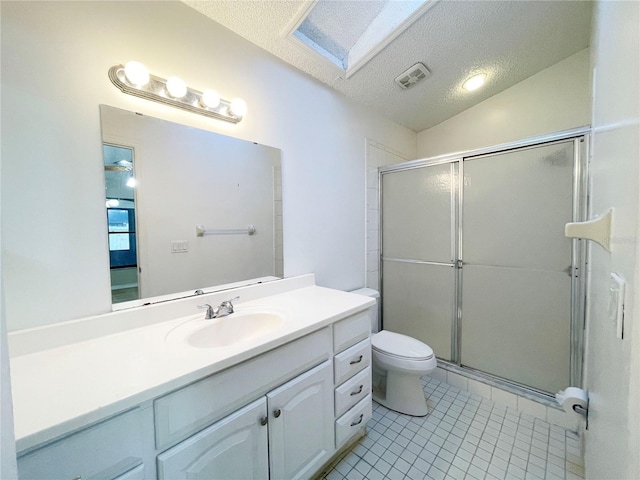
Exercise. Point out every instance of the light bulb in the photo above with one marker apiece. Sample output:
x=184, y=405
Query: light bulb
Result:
x=475, y=82
x=176, y=87
x=238, y=107
x=136, y=74
x=131, y=182
x=210, y=99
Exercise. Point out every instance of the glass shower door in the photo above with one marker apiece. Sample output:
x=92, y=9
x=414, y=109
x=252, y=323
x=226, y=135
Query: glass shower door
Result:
x=418, y=254
x=516, y=278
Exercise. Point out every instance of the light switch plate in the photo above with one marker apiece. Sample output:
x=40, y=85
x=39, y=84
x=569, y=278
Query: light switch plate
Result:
x=616, y=303
x=179, y=246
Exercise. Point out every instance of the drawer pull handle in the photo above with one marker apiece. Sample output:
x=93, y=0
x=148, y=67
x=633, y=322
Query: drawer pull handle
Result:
x=358, y=392
x=79, y=477
x=276, y=413
x=263, y=421
x=353, y=424
x=353, y=362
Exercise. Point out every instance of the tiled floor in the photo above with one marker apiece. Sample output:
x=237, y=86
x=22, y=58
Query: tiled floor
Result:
x=463, y=437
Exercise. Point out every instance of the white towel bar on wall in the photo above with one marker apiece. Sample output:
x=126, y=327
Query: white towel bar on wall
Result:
x=201, y=231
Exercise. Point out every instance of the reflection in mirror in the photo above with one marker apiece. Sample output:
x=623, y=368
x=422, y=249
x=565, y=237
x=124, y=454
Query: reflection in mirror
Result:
x=184, y=178
x=120, y=188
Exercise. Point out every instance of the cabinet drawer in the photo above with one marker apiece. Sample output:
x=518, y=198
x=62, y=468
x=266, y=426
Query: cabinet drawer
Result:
x=352, y=391
x=352, y=421
x=186, y=411
x=351, y=361
x=351, y=330
x=108, y=450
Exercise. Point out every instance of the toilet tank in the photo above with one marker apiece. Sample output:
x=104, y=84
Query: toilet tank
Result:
x=375, y=317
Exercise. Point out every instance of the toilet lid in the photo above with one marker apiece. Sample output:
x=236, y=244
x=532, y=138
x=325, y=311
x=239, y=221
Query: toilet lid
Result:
x=400, y=346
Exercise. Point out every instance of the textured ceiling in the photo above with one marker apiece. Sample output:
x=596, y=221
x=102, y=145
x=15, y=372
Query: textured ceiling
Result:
x=508, y=40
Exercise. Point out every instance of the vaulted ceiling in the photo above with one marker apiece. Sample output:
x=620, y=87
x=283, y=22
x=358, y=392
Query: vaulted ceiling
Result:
x=507, y=40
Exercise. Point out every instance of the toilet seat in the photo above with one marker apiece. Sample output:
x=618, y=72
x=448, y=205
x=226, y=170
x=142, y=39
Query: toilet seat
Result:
x=400, y=346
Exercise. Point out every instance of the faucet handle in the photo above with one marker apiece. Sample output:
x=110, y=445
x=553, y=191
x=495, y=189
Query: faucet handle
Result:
x=227, y=304
x=211, y=313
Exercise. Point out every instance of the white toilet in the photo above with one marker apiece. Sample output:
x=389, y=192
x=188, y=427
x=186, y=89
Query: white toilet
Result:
x=398, y=363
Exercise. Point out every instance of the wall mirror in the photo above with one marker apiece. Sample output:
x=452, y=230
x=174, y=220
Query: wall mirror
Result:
x=186, y=209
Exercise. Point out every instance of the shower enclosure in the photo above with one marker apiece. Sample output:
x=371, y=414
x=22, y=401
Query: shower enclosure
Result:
x=474, y=260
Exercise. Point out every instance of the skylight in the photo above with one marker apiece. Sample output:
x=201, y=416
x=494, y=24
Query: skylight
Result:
x=350, y=33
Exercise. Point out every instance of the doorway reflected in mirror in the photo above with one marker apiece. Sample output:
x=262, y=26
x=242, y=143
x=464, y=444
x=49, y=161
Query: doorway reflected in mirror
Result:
x=121, y=222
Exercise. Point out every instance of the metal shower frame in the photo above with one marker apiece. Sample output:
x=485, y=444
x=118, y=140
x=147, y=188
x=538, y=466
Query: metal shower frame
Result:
x=580, y=137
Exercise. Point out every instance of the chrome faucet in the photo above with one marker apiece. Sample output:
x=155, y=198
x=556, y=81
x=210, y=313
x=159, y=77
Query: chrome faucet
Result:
x=224, y=309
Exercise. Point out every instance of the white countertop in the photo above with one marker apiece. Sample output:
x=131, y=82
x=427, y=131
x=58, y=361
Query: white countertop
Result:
x=59, y=390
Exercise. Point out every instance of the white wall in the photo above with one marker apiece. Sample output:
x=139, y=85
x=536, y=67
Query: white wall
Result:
x=555, y=99
x=55, y=58
x=613, y=365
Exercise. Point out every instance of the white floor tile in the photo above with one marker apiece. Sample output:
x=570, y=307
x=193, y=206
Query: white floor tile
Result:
x=464, y=436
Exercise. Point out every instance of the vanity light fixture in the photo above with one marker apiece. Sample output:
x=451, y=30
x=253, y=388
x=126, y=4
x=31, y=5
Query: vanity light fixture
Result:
x=176, y=87
x=126, y=164
x=134, y=79
x=238, y=107
x=210, y=99
x=475, y=82
x=136, y=74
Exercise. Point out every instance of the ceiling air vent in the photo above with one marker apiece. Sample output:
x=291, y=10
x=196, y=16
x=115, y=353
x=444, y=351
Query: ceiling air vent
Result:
x=412, y=75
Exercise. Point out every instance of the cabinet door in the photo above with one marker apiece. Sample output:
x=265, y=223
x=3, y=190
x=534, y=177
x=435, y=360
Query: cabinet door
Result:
x=233, y=448
x=301, y=424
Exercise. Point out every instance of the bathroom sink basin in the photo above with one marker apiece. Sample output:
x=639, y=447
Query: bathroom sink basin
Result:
x=240, y=326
